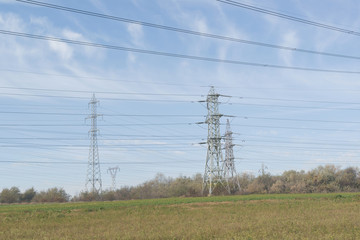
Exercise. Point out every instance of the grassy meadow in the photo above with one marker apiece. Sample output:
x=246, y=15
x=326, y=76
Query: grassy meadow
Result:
x=273, y=216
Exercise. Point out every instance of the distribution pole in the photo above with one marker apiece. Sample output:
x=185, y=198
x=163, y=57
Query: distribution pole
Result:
x=229, y=163
x=93, y=179
x=213, y=176
x=113, y=172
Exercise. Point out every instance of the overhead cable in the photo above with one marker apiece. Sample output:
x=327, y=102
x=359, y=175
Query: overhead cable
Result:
x=181, y=30
x=173, y=55
x=288, y=17
x=169, y=94
x=299, y=128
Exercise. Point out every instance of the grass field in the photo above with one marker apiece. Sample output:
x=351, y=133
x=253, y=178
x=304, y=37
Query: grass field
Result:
x=288, y=216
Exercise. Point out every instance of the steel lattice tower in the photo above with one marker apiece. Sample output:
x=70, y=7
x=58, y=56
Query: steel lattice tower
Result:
x=93, y=179
x=229, y=163
x=213, y=176
x=113, y=172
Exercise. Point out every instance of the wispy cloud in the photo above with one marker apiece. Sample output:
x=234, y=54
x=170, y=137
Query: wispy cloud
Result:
x=289, y=39
x=6, y=1
x=11, y=21
x=61, y=49
x=136, y=32
x=100, y=6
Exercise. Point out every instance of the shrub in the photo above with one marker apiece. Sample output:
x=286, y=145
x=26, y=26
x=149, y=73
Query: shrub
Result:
x=11, y=195
x=51, y=195
x=28, y=195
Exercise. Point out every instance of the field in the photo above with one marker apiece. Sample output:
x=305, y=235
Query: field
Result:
x=292, y=216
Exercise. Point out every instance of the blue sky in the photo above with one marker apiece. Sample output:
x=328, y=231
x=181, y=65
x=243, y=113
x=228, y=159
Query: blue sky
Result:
x=272, y=125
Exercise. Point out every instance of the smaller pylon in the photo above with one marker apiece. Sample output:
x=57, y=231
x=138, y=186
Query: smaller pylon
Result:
x=113, y=171
x=229, y=163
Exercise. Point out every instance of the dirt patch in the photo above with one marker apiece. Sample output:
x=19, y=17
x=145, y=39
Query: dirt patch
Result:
x=205, y=204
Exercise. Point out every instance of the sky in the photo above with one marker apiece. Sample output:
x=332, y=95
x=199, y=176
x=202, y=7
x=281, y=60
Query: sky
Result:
x=291, y=117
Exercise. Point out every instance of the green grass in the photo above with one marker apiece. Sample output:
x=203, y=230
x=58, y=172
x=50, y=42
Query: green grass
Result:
x=275, y=216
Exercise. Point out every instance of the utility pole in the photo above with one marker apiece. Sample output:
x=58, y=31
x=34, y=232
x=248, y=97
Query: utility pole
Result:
x=93, y=178
x=213, y=176
x=113, y=172
x=229, y=163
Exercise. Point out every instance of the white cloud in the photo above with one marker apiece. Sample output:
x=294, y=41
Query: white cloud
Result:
x=72, y=35
x=201, y=25
x=131, y=57
x=61, y=49
x=289, y=39
x=11, y=22
x=99, y=5
x=136, y=33
x=40, y=21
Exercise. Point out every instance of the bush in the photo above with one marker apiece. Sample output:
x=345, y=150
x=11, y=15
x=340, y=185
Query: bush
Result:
x=51, y=195
x=28, y=195
x=321, y=179
x=108, y=195
x=11, y=195
x=87, y=196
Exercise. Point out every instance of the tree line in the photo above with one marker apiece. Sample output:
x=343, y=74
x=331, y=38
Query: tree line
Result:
x=322, y=179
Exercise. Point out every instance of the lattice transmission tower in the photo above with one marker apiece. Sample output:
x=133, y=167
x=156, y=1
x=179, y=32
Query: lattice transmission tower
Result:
x=229, y=162
x=93, y=178
x=113, y=171
x=213, y=176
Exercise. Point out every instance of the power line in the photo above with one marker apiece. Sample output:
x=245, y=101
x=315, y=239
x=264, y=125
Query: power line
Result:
x=173, y=94
x=291, y=138
x=289, y=106
x=295, y=100
x=288, y=17
x=102, y=125
x=245, y=141
x=303, y=162
x=181, y=30
x=128, y=143
x=290, y=145
x=247, y=159
x=174, y=55
x=82, y=163
x=104, y=98
x=312, y=89
x=189, y=101
x=294, y=154
x=176, y=84
x=304, y=143
x=96, y=78
x=298, y=128
x=102, y=92
x=304, y=148
x=298, y=120
x=111, y=115
x=160, y=115
x=156, y=115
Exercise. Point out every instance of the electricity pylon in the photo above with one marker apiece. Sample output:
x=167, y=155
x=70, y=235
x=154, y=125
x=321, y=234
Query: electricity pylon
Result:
x=93, y=179
x=229, y=163
x=213, y=176
x=113, y=172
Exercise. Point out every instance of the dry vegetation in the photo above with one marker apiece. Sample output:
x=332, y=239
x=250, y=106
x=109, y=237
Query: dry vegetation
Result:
x=323, y=179
x=291, y=216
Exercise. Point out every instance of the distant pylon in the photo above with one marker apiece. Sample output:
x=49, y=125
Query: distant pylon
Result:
x=93, y=178
x=229, y=163
x=213, y=176
x=113, y=172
